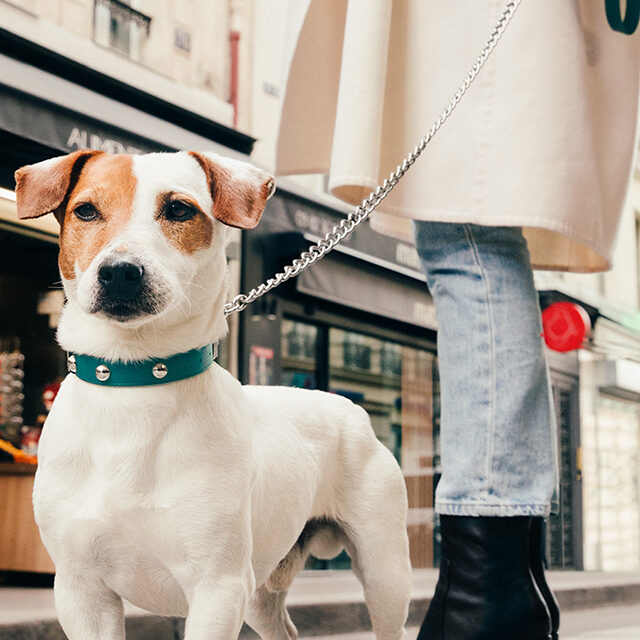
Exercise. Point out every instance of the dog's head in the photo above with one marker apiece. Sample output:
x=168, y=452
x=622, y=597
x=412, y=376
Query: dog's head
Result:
x=142, y=236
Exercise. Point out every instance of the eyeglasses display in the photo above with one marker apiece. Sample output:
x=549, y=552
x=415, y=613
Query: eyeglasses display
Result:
x=11, y=392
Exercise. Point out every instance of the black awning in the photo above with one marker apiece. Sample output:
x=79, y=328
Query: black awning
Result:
x=289, y=212
x=343, y=280
x=368, y=271
x=38, y=60
x=45, y=123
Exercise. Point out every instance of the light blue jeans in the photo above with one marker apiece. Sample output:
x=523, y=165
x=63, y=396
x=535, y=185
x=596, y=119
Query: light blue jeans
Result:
x=498, y=431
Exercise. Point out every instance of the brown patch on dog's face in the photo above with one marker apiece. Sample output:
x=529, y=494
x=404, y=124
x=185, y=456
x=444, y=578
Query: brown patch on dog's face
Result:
x=183, y=222
x=97, y=209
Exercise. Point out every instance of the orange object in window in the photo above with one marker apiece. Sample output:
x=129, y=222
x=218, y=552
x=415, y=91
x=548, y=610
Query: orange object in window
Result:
x=18, y=456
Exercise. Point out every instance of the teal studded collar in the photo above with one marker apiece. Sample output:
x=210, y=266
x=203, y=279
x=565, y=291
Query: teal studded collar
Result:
x=142, y=373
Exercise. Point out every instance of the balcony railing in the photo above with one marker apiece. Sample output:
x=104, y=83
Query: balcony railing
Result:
x=122, y=11
x=121, y=27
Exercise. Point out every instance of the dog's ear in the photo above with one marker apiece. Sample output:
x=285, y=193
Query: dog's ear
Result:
x=41, y=188
x=238, y=189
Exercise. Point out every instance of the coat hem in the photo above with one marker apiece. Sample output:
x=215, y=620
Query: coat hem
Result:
x=280, y=172
x=355, y=182
x=559, y=228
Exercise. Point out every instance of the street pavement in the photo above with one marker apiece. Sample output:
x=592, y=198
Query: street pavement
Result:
x=603, y=623
x=595, y=605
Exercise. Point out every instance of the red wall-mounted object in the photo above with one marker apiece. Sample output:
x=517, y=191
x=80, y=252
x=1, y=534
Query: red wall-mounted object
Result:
x=565, y=326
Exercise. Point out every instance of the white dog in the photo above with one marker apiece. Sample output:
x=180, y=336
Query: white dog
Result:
x=197, y=497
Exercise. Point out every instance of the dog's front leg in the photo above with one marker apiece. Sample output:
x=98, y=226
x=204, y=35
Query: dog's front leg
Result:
x=216, y=609
x=219, y=598
x=86, y=608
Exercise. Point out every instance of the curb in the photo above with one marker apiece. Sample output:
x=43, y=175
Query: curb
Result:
x=325, y=618
x=322, y=619
x=577, y=598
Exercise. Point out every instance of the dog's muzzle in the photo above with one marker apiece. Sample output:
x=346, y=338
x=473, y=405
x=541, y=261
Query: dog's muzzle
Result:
x=123, y=290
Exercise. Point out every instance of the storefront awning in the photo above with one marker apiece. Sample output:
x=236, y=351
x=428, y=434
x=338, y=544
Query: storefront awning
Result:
x=48, y=115
x=288, y=211
x=351, y=283
x=34, y=119
x=619, y=377
x=64, y=116
x=45, y=228
x=367, y=271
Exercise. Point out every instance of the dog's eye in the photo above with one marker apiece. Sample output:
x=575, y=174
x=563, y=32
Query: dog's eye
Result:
x=86, y=212
x=179, y=211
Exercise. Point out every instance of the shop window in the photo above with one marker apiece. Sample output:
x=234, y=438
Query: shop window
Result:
x=299, y=355
x=612, y=487
x=561, y=550
x=31, y=364
x=120, y=26
x=398, y=387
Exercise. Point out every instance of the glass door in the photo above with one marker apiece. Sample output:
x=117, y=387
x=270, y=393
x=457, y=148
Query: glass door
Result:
x=299, y=355
x=396, y=385
x=612, y=486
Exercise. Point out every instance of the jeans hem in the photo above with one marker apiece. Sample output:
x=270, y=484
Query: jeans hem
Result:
x=497, y=510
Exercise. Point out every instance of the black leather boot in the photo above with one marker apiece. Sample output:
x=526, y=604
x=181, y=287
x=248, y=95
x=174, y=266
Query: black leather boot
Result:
x=485, y=590
x=536, y=564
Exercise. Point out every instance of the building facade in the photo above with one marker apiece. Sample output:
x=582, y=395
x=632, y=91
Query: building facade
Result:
x=152, y=45
x=150, y=75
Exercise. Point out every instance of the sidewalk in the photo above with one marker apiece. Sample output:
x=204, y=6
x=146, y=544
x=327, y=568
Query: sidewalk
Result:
x=321, y=604
x=620, y=622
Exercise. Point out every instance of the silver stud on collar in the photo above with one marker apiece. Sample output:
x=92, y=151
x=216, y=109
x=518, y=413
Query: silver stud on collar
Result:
x=71, y=364
x=102, y=372
x=159, y=370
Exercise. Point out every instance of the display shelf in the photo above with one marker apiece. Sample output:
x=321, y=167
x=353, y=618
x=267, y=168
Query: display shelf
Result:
x=20, y=545
x=344, y=373
x=365, y=377
x=17, y=469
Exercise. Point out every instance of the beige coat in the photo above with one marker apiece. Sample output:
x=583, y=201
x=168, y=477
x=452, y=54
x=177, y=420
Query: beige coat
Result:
x=544, y=139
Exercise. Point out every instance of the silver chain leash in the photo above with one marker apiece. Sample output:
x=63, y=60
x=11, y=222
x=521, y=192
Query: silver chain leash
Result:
x=361, y=213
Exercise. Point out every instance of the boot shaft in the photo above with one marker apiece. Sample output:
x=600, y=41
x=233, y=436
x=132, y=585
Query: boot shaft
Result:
x=486, y=590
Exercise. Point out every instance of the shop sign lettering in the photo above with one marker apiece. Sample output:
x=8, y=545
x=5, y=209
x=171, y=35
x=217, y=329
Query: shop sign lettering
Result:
x=83, y=139
x=366, y=242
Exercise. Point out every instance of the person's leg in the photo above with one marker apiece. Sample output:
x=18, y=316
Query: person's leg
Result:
x=497, y=424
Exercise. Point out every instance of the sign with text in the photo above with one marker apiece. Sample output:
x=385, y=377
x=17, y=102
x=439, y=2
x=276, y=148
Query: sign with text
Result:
x=288, y=212
x=47, y=124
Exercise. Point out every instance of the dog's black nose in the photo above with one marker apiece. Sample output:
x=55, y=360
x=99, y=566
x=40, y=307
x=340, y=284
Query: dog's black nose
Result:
x=121, y=281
